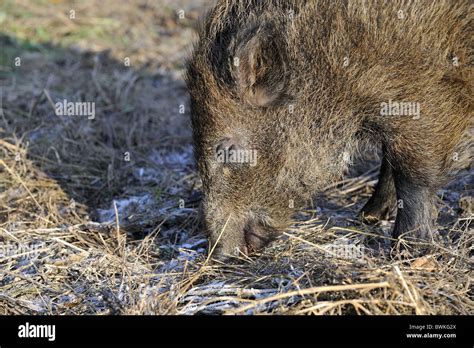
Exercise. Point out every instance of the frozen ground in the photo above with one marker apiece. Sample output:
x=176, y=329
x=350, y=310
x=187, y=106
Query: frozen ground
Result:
x=101, y=216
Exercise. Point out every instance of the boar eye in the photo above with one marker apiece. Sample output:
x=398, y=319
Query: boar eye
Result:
x=234, y=152
x=227, y=150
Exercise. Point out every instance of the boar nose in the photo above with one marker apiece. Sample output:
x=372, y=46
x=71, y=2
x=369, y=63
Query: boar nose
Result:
x=223, y=253
x=244, y=250
x=255, y=236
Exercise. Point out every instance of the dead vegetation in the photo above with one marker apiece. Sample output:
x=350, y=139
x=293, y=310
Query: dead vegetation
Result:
x=100, y=216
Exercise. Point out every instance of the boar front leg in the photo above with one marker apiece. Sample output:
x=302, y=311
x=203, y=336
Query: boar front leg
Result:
x=382, y=203
x=417, y=174
x=415, y=215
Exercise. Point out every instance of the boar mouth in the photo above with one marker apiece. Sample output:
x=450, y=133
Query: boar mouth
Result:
x=257, y=235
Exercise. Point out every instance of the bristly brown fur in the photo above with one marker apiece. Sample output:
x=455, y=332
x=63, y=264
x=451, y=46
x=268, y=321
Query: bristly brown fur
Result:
x=302, y=83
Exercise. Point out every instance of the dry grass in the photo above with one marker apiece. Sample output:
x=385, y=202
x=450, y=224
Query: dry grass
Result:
x=86, y=230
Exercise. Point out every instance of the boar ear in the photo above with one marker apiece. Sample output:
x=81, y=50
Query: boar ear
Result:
x=260, y=68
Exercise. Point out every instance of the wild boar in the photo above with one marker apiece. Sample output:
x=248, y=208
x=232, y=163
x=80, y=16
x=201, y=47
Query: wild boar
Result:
x=284, y=93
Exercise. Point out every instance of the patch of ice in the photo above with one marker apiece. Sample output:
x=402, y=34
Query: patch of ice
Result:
x=108, y=215
x=173, y=158
x=145, y=174
x=193, y=244
x=177, y=161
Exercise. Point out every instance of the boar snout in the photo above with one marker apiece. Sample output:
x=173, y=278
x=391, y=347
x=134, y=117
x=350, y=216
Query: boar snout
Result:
x=240, y=236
